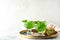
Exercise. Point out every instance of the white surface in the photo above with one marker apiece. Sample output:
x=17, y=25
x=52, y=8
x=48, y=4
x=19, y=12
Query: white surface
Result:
x=13, y=11
x=9, y=37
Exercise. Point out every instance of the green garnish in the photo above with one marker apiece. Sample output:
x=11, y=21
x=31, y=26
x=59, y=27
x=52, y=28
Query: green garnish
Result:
x=28, y=24
x=24, y=20
x=40, y=26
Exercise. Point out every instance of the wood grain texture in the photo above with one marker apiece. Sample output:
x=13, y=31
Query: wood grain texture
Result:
x=36, y=37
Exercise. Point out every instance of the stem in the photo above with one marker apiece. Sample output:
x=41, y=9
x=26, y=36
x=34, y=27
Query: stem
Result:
x=29, y=32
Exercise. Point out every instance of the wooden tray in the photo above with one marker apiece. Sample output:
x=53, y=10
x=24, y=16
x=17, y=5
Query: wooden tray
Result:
x=35, y=37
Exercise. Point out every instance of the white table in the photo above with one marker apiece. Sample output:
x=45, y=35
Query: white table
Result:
x=11, y=37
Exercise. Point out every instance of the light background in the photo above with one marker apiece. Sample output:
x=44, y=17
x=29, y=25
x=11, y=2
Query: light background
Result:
x=13, y=11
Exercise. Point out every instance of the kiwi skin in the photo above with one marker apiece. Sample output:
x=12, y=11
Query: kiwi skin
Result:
x=50, y=31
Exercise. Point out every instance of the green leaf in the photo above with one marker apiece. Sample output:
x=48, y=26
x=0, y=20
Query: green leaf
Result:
x=41, y=26
x=24, y=20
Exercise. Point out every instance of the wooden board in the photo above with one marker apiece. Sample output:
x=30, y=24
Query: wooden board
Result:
x=35, y=37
